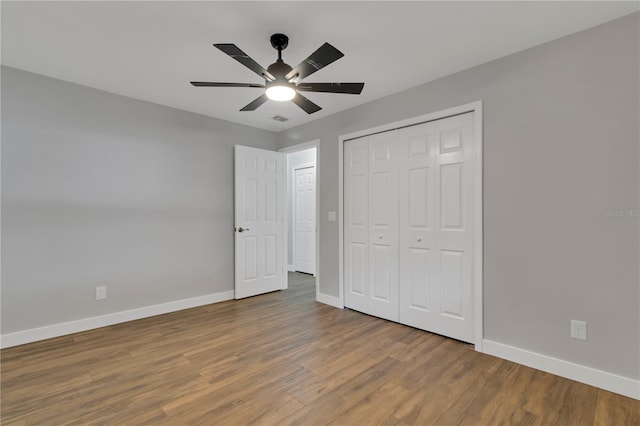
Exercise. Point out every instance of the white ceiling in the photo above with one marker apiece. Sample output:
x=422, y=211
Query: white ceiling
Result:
x=150, y=50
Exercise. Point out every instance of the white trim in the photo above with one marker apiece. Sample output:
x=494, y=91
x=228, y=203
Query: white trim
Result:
x=285, y=257
x=470, y=107
x=61, y=329
x=301, y=147
x=329, y=300
x=291, y=268
x=476, y=108
x=580, y=373
x=304, y=166
x=341, y=140
x=478, y=237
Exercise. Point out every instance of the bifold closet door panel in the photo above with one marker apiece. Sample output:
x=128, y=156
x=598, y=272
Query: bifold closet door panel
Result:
x=454, y=189
x=356, y=224
x=383, y=228
x=418, y=296
x=436, y=226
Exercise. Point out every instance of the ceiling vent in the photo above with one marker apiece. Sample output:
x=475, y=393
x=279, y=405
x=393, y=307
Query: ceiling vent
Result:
x=280, y=118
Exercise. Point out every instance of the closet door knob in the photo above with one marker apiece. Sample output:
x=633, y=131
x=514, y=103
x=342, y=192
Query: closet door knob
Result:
x=379, y=236
x=418, y=239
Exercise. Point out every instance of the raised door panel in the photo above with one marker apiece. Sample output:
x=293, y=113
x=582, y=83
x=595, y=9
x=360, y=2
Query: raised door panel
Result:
x=356, y=224
x=250, y=250
x=270, y=200
x=452, y=264
x=271, y=265
x=452, y=196
x=250, y=196
x=418, y=281
x=357, y=272
x=299, y=229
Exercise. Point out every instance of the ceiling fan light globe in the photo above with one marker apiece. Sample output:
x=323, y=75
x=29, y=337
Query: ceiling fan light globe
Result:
x=280, y=93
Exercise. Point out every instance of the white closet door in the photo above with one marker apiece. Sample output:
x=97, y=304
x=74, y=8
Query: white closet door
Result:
x=383, y=228
x=356, y=224
x=436, y=236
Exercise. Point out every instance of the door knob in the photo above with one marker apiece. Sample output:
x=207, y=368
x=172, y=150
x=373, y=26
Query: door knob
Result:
x=379, y=236
x=241, y=229
x=418, y=239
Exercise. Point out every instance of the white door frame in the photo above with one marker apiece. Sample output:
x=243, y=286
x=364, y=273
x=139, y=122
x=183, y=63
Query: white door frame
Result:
x=293, y=218
x=301, y=147
x=476, y=108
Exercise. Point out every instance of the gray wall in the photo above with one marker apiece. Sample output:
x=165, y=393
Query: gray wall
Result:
x=561, y=143
x=294, y=160
x=99, y=189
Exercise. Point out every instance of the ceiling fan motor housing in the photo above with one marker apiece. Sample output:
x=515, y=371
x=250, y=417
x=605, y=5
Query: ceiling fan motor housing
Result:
x=279, y=70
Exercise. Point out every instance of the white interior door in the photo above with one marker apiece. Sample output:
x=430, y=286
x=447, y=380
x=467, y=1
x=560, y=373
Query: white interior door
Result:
x=259, y=221
x=305, y=220
x=436, y=226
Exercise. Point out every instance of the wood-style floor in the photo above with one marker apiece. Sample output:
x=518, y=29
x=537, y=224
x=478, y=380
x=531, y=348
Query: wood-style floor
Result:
x=282, y=358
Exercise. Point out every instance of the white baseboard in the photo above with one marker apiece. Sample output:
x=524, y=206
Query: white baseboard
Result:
x=580, y=373
x=329, y=300
x=61, y=329
x=290, y=268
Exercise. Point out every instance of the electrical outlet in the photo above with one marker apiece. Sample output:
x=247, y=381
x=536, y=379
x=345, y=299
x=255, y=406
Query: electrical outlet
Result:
x=579, y=329
x=101, y=292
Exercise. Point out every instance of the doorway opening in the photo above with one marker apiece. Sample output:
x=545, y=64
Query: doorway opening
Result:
x=301, y=212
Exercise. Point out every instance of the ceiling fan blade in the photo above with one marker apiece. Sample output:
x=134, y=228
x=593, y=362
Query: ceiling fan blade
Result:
x=253, y=105
x=210, y=84
x=319, y=59
x=304, y=103
x=351, y=88
x=237, y=54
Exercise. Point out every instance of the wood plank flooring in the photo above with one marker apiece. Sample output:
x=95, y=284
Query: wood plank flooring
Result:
x=282, y=358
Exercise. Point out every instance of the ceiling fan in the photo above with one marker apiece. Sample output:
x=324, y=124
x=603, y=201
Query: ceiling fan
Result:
x=282, y=83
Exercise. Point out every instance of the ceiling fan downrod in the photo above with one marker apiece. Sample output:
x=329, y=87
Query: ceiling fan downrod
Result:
x=279, y=42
